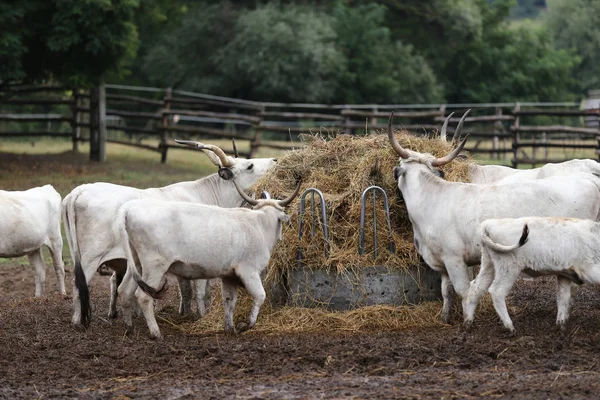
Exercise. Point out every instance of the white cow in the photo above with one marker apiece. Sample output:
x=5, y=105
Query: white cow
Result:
x=501, y=174
x=196, y=241
x=89, y=214
x=30, y=220
x=446, y=215
x=566, y=247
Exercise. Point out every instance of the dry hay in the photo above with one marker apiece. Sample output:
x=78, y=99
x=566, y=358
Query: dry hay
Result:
x=342, y=167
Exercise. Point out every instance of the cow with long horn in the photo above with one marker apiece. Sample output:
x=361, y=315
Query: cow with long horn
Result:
x=446, y=215
x=198, y=242
x=89, y=213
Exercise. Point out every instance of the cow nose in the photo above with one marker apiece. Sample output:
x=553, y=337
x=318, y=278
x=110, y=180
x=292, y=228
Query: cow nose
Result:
x=275, y=159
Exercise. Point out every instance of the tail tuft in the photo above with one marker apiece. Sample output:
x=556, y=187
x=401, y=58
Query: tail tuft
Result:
x=156, y=294
x=524, y=236
x=84, y=295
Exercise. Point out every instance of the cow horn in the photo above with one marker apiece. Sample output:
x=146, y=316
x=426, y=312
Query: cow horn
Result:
x=247, y=198
x=289, y=199
x=456, y=136
x=235, y=152
x=225, y=161
x=444, y=127
x=395, y=145
x=438, y=162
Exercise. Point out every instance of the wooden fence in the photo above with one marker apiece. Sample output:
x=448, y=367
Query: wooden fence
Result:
x=148, y=118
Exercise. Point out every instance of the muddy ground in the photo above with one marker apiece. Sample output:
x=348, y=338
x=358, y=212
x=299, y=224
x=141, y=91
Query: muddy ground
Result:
x=42, y=356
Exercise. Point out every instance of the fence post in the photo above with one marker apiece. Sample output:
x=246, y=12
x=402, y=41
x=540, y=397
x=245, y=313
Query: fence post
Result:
x=497, y=130
x=515, y=144
x=98, y=123
x=255, y=142
x=75, y=128
x=165, y=123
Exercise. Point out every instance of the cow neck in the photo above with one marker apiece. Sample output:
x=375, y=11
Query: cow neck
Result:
x=217, y=191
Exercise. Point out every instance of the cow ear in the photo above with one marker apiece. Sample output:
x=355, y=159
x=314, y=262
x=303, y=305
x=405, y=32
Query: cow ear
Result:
x=225, y=173
x=285, y=219
x=398, y=172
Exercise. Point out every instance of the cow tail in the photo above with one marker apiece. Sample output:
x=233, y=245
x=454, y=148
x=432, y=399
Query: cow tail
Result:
x=502, y=248
x=69, y=221
x=131, y=267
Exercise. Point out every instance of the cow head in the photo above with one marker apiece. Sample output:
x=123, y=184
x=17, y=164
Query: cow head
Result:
x=410, y=160
x=277, y=204
x=245, y=171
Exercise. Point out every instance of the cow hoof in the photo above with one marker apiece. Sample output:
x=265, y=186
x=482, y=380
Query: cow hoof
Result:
x=112, y=314
x=467, y=326
x=129, y=331
x=242, y=326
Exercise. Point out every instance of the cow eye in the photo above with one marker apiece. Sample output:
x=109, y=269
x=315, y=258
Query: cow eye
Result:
x=250, y=166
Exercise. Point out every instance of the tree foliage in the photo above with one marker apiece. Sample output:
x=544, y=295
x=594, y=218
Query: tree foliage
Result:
x=575, y=24
x=72, y=41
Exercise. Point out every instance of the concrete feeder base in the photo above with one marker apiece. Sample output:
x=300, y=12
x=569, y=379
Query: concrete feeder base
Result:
x=362, y=287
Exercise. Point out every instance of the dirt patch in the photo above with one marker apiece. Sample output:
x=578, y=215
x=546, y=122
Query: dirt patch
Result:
x=41, y=355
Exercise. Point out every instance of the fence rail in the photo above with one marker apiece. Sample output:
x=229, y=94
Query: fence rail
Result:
x=529, y=132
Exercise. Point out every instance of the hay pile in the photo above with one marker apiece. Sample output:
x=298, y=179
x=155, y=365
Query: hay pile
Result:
x=342, y=168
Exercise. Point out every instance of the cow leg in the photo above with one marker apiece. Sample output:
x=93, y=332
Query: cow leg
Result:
x=459, y=276
x=447, y=296
x=39, y=268
x=202, y=295
x=478, y=287
x=126, y=293
x=229, y=294
x=563, y=301
x=147, y=305
x=185, y=296
x=115, y=281
x=503, y=283
x=254, y=286
x=56, y=245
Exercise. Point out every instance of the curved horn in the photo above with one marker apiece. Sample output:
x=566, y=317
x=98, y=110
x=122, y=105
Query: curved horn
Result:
x=288, y=200
x=438, y=162
x=456, y=136
x=225, y=161
x=395, y=145
x=191, y=143
x=235, y=152
x=444, y=127
x=247, y=198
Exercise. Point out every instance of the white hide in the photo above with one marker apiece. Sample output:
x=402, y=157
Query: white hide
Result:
x=501, y=174
x=90, y=212
x=445, y=216
x=30, y=220
x=197, y=242
x=566, y=247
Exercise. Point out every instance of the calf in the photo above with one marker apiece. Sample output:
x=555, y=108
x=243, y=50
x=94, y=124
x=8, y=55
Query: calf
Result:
x=30, y=220
x=196, y=241
x=566, y=247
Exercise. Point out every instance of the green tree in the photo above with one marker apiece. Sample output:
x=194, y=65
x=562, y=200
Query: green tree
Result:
x=73, y=41
x=283, y=53
x=184, y=57
x=379, y=70
x=575, y=24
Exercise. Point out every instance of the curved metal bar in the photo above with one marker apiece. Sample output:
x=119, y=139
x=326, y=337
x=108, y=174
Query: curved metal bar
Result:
x=363, y=202
x=324, y=224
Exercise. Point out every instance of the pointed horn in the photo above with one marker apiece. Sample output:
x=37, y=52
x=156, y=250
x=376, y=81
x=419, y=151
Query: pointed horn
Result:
x=247, y=198
x=456, y=136
x=191, y=143
x=395, y=145
x=288, y=200
x=235, y=152
x=444, y=127
x=438, y=162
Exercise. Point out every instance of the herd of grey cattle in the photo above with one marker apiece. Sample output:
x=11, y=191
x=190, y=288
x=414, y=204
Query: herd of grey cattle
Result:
x=538, y=222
